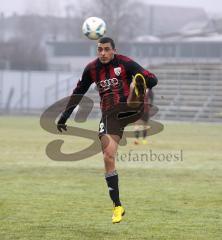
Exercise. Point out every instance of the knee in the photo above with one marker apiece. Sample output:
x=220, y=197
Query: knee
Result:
x=108, y=157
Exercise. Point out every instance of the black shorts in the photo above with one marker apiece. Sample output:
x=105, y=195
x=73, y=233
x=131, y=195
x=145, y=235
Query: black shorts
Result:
x=114, y=122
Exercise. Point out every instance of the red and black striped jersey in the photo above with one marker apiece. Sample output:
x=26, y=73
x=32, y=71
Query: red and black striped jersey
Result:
x=112, y=80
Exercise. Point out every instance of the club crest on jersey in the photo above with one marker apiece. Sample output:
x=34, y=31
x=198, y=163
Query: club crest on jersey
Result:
x=117, y=71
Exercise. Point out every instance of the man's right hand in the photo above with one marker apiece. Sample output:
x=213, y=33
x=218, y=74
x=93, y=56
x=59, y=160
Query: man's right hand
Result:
x=61, y=124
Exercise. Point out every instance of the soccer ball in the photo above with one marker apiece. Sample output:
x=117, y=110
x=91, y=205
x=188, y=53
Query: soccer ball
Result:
x=94, y=28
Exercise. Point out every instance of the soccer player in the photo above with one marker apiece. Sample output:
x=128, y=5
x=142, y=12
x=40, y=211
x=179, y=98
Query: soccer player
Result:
x=143, y=121
x=122, y=84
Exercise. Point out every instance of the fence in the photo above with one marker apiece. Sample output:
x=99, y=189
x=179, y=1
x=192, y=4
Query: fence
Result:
x=184, y=92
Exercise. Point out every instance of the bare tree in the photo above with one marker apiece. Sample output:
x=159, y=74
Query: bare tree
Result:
x=76, y=13
x=121, y=16
x=51, y=8
x=43, y=7
x=27, y=52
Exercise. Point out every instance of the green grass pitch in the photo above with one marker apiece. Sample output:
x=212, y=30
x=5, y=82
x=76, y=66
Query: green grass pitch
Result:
x=164, y=200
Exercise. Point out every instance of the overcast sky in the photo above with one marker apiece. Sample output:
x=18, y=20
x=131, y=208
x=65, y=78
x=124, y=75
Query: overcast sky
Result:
x=21, y=6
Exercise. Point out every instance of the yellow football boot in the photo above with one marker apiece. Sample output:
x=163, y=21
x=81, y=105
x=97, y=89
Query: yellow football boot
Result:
x=118, y=212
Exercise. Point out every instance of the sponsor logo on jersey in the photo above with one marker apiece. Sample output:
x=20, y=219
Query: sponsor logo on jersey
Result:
x=107, y=84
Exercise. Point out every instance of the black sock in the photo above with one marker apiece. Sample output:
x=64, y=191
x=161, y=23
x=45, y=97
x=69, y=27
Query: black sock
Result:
x=144, y=133
x=112, y=182
x=137, y=134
